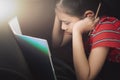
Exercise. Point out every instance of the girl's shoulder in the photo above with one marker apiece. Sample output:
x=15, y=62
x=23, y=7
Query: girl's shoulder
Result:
x=111, y=23
x=109, y=20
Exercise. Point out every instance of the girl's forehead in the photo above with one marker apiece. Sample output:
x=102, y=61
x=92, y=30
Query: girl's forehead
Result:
x=60, y=9
x=62, y=14
x=67, y=18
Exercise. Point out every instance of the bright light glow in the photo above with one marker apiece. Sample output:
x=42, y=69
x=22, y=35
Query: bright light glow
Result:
x=7, y=8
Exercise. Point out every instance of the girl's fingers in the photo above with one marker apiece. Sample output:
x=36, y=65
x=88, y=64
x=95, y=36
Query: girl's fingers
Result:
x=95, y=22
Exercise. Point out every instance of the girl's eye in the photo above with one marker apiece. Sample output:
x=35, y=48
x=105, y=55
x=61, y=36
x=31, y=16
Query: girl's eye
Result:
x=67, y=23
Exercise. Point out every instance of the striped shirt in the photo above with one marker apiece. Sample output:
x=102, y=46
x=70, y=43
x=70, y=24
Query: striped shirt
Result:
x=107, y=33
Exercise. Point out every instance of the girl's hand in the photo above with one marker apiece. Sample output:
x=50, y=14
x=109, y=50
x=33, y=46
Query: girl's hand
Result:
x=85, y=25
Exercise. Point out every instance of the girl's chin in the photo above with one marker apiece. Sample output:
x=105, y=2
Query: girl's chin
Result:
x=67, y=33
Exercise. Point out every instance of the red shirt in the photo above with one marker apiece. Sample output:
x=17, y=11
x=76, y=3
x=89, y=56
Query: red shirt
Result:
x=107, y=33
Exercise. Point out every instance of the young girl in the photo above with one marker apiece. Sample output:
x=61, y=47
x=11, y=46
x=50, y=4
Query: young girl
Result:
x=76, y=17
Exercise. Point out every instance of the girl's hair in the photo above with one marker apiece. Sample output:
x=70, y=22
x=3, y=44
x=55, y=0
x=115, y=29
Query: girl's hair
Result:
x=78, y=7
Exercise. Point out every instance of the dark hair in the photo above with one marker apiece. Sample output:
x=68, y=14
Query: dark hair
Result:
x=78, y=7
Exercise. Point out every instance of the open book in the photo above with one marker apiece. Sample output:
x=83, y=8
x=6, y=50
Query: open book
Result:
x=36, y=52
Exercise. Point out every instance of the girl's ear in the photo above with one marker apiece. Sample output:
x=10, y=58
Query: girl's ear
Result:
x=89, y=13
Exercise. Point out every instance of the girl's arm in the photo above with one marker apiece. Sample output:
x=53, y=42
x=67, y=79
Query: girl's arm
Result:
x=86, y=69
x=57, y=33
x=58, y=37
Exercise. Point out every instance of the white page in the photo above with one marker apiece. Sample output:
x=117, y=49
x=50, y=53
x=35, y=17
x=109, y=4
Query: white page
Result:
x=14, y=25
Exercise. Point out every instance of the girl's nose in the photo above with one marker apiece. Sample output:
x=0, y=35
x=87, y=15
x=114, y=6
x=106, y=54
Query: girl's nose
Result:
x=64, y=27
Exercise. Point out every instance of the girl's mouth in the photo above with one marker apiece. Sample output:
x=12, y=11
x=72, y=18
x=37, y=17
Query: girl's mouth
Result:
x=67, y=33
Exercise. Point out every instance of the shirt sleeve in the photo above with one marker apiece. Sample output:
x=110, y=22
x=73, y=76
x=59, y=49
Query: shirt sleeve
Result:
x=107, y=35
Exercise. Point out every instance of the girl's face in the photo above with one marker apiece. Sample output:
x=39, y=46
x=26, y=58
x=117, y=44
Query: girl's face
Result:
x=67, y=21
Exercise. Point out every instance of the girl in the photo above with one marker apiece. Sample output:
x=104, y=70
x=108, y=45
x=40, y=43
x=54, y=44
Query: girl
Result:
x=76, y=17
